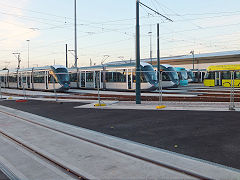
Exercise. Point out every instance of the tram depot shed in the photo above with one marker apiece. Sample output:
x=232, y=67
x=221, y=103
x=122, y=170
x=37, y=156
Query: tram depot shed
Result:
x=200, y=61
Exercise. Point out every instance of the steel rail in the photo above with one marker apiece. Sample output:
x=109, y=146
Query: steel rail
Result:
x=69, y=170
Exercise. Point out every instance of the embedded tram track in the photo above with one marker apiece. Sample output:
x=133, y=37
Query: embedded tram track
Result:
x=80, y=176
x=202, y=95
x=63, y=167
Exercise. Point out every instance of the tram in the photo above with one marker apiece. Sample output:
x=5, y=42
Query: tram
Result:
x=37, y=78
x=183, y=76
x=223, y=75
x=190, y=75
x=169, y=76
x=116, y=76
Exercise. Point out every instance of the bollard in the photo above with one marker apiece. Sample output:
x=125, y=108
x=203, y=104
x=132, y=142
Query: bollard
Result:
x=99, y=98
x=24, y=92
x=160, y=106
x=232, y=91
x=54, y=89
x=1, y=87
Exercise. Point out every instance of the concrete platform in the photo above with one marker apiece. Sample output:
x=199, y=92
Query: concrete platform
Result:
x=86, y=158
x=170, y=106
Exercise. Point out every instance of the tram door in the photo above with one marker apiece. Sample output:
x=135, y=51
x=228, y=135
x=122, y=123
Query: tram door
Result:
x=19, y=80
x=218, y=79
x=28, y=80
x=46, y=79
x=129, y=80
x=83, y=79
x=24, y=80
x=97, y=79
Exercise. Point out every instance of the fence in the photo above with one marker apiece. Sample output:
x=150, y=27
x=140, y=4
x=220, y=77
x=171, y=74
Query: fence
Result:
x=156, y=84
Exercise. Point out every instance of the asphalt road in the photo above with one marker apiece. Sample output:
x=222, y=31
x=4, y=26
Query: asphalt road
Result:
x=212, y=136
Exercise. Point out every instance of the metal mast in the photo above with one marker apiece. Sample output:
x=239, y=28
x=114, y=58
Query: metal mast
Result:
x=138, y=83
x=28, y=51
x=158, y=51
x=75, y=31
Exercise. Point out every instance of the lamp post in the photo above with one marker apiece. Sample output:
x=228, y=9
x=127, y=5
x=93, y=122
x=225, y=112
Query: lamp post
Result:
x=192, y=52
x=75, y=31
x=150, y=34
x=28, y=51
x=18, y=58
x=138, y=81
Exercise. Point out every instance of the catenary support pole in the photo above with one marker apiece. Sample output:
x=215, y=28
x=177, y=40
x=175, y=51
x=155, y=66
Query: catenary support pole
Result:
x=75, y=31
x=28, y=53
x=66, y=56
x=138, y=83
x=158, y=50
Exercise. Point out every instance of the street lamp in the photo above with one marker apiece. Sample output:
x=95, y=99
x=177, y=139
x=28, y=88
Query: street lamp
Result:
x=150, y=34
x=18, y=58
x=192, y=52
x=75, y=31
x=28, y=51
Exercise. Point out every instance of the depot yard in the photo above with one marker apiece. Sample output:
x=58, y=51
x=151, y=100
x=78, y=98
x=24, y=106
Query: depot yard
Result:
x=211, y=136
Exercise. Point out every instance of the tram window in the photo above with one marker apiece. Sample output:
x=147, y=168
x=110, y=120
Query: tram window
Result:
x=165, y=77
x=109, y=76
x=24, y=79
x=12, y=78
x=73, y=77
x=89, y=77
x=237, y=75
x=38, y=77
x=210, y=75
x=180, y=75
x=134, y=77
x=119, y=77
x=142, y=77
x=226, y=75
x=51, y=79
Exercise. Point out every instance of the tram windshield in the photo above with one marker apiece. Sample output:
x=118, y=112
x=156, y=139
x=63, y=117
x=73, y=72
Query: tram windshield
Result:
x=184, y=75
x=150, y=74
x=190, y=75
x=173, y=73
x=62, y=74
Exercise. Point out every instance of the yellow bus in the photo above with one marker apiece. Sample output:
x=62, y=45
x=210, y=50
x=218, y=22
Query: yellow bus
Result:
x=220, y=75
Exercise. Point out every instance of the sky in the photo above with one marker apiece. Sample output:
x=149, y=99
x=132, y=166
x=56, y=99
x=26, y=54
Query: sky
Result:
x=106, y=29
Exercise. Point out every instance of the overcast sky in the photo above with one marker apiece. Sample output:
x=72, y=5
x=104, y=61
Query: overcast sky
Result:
x=107, y=27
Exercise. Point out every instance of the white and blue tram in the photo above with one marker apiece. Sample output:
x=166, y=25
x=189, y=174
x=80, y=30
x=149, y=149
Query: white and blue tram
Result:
x=37, y=78
x=169, y=77
x=114, y=76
